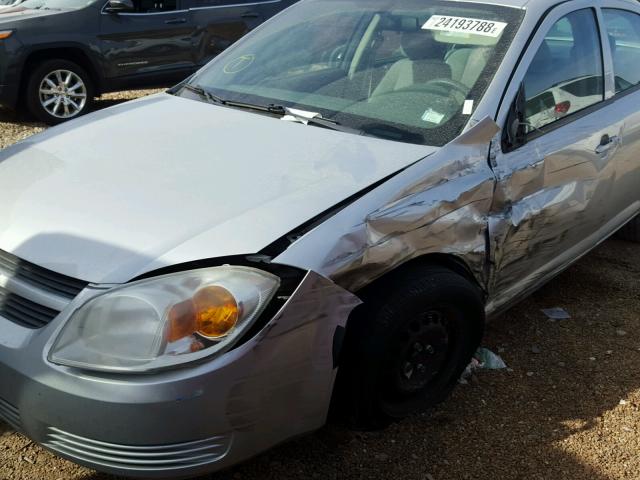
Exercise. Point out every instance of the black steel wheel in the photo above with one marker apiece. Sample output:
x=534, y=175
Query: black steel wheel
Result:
x=407, y=345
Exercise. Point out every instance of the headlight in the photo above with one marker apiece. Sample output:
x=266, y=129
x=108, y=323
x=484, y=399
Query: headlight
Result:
x=164, y=321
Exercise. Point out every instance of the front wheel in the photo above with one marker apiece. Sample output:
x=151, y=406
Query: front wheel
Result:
x=407, y=345
x=58, y=91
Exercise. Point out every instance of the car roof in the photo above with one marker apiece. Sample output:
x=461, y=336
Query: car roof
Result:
x=539, y=4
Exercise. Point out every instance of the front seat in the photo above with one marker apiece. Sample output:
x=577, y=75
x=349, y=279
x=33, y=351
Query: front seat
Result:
x=424, y=62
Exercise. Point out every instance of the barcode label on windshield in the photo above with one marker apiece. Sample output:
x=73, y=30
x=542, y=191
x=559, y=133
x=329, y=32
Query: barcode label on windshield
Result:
x=476, y=26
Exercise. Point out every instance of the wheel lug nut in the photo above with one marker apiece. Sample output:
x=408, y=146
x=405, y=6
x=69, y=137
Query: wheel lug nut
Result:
x=418, y=347
x=408, y=370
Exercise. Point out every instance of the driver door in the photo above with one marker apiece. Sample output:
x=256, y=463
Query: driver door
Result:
x=554, y=191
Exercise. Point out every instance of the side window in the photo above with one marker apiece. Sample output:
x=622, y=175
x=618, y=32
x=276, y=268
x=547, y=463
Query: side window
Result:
x=565, y=75
x=623, y=29
x=154, y=6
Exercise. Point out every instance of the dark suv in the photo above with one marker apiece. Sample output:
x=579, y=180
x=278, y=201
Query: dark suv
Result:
x=57, y=55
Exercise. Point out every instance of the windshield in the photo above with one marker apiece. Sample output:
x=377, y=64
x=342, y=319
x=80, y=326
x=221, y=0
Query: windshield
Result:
x=406, y=70
x=55, y=4
x=6, y=2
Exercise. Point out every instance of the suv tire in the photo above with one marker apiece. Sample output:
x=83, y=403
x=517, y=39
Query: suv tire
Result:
x=59, y=90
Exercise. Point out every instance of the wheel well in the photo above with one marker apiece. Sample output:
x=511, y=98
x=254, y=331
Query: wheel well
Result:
x=71, y=54
x=451, y=262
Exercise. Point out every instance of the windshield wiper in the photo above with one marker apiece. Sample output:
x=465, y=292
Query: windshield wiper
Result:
x=210, y=97
x=326, y=123
x=280, y=110
x=316, y=120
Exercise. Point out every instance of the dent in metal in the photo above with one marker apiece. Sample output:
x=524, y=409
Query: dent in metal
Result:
x=439, y=205
x=556, y=198
x=291, y=364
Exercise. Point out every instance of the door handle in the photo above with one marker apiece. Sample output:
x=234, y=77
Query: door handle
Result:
x=176, y=21
x=250, y=15
x=606, y=142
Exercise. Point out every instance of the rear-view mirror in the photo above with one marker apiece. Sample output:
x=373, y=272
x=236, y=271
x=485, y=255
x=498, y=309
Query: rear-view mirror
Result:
x=120, y=6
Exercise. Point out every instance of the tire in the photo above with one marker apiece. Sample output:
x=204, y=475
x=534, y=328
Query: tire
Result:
x=631, y=231
x=56, y=101
x=407, y=345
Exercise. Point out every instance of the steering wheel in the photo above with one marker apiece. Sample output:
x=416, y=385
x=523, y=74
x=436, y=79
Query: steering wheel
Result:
x=336, y=54
x=448, y=84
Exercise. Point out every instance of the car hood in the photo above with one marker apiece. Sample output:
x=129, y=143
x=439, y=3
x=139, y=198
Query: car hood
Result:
x=166, y=180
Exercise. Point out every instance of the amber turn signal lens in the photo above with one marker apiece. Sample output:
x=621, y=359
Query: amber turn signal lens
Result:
x=5, y=34
x=212, y=312
x=216, y=312
x=182, y=321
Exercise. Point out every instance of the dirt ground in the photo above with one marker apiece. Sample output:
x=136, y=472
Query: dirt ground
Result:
x=567, y=408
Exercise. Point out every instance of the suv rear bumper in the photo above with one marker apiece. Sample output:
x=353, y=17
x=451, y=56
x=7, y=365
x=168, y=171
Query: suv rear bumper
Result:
x=187, y=421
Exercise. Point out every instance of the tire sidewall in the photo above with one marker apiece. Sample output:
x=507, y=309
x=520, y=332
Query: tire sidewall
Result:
x=464, y=345
x=380, y=320
x=33, y=89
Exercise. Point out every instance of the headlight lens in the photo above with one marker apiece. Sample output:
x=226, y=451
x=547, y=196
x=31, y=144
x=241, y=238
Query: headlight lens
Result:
x=164, y=321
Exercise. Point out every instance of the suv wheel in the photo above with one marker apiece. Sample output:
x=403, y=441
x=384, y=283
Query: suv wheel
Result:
x=407, y=345
x=59, y=90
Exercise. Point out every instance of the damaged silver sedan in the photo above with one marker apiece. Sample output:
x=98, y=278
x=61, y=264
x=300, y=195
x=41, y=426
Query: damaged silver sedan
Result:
x=324, y=215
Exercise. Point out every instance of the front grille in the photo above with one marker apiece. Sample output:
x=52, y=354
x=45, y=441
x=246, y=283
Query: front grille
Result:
x=23, y=311
x=135, y=457
x=10, y=414
x=32, y=296
x=39, y=277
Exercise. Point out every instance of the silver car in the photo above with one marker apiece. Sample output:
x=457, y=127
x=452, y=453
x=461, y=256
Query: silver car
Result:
x=327, y=213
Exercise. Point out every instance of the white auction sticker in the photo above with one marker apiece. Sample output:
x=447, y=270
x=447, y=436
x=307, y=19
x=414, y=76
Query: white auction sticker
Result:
x=476, y=26
x=432, y=116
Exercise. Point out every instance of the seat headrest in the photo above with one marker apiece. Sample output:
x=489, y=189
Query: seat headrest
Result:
x=420, y=45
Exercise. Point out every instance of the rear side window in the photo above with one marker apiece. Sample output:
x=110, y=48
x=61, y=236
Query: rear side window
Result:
x=154, y=6
x=623, y=29
x=565, y=75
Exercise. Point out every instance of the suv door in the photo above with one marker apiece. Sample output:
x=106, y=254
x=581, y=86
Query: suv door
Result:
x=152, y=45
x=219, y=23
x=555, y=188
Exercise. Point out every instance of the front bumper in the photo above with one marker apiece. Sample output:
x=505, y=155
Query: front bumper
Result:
x=181, y=422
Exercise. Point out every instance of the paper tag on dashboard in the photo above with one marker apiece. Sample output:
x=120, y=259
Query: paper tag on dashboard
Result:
x=475, y=26
x=432, y=116
x=467, y=107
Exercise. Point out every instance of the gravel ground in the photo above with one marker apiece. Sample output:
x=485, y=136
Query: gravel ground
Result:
x=567, y=408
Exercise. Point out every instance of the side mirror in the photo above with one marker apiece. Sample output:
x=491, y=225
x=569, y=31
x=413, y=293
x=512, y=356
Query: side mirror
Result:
x=515, y=131
x=120, y=6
